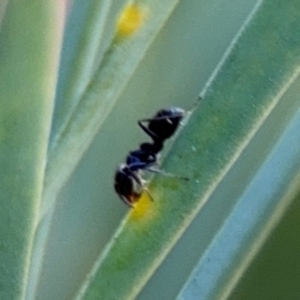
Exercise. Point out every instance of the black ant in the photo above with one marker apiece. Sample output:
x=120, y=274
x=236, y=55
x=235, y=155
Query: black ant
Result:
x=129, y=183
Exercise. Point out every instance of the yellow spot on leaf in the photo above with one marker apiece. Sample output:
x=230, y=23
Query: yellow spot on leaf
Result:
x=130, y=20
x=142, y=208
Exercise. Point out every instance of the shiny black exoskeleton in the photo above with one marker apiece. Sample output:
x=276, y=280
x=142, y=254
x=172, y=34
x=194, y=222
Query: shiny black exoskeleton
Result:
x=164, y=124
x=129, y=183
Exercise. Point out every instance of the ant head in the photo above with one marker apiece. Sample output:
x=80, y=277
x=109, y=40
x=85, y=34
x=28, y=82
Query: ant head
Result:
x=165, y=122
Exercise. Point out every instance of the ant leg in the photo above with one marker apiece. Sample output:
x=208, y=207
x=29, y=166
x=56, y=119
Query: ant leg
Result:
x=137, y=179
x=148, y=193
x=133, y=167
x=149, y=132
x=127, y=202
x=143, y=185
x=162, y=172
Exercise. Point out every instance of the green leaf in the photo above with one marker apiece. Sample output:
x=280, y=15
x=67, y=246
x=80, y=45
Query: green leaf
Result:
x=87, y=210
x=280, y=256
x=99, y=97
x=80, y=57
x=3, y=6
x=78, y=124
x=248, y=88
x=239, y=149
x=258, y=210
x=29, y=56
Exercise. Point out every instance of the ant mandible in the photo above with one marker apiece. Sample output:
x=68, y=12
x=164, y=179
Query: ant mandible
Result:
x=129, y=183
